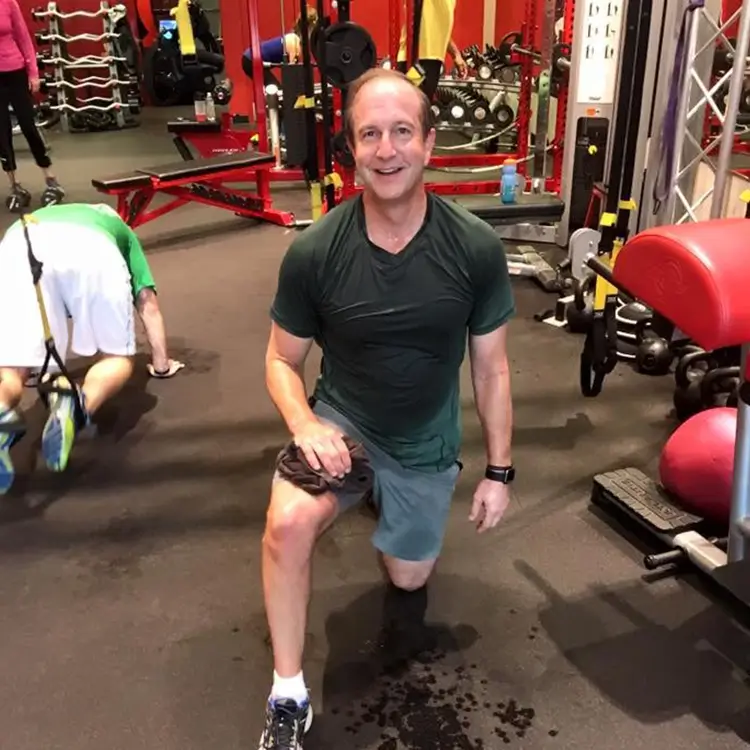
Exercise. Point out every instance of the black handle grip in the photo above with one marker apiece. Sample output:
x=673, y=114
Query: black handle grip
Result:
x=659, y=560
x=603, y=270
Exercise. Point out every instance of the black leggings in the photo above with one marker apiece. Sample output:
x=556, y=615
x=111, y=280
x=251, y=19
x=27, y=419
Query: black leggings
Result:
x=14, y=91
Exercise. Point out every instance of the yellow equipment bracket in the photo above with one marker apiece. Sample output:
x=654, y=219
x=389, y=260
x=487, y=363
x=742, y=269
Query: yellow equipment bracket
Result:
x=181, y=14
x=334, y=179
x=316, y=200
x=745, y=196
x=304, y=102
x=604, y=289
x=416, y=75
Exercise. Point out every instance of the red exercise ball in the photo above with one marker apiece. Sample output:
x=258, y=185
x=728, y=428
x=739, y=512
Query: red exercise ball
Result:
x=697, y=463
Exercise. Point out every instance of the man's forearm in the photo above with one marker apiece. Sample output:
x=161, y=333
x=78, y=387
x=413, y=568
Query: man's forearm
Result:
x=495, y=410
x=153, y=324
x=286, y=386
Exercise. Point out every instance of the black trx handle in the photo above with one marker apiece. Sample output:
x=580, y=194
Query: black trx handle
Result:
x=599, y=355
x=51, y=353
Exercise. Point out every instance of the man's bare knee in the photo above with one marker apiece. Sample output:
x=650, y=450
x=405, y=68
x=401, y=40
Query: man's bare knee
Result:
x=295, y=519
x=408, y=575
x=12, y=381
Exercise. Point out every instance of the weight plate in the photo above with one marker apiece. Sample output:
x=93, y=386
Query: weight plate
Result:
x=504, y=115
x=348, y=51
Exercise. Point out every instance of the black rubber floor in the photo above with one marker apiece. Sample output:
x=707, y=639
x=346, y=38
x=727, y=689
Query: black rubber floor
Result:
x=131, y=614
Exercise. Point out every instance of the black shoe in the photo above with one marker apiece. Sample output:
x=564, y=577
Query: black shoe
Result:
x=286, y=724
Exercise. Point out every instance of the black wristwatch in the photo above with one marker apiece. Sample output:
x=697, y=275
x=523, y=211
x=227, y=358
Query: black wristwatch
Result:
x=504, y=474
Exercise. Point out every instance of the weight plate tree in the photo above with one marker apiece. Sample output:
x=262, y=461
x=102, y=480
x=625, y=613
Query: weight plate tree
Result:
x=122, y=101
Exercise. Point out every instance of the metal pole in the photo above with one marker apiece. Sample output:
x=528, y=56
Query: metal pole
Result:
x=730, y=115
x=283, y=21
x=740, y=510
x=666, y=214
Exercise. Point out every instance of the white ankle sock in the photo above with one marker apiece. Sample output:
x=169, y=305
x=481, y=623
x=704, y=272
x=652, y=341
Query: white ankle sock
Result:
x=289, y=687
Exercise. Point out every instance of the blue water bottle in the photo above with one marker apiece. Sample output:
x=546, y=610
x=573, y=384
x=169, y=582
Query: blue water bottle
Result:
x=508, y=181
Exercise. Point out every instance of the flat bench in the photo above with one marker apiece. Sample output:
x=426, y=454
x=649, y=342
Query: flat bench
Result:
x=530, y=208
x=193, y=126
x=197, y=181
x=181, y=170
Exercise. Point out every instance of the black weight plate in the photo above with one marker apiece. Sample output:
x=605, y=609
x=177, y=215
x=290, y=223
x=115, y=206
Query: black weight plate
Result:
x=349, y=52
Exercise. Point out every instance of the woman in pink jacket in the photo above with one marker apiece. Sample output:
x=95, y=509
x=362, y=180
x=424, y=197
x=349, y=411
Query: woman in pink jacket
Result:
x=19, y=81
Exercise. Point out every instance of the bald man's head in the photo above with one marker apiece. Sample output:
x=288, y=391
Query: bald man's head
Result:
x=385, y=82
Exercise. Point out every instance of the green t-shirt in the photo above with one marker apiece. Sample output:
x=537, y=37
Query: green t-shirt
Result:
x=393, y=328
x=105, y=220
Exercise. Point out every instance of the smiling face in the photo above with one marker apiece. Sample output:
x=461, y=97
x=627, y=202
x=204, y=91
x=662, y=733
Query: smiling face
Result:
x=389, y=143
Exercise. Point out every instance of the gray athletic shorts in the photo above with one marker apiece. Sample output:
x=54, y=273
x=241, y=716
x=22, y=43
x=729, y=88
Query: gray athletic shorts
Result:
x=413, y=505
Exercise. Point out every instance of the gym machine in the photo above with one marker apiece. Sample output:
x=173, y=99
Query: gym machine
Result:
x=170, y=75
x=79, y=114
x=658, y=267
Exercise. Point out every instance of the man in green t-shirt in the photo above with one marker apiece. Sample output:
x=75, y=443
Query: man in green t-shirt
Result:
x=94, y=271
x=391, y=285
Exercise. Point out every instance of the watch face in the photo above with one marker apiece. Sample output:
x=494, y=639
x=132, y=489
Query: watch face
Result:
x=511, y=475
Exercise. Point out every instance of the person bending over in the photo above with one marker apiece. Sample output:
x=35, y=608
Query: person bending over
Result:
x=278, y=49
x=19, y=79
x=94, y=270
x=390, y=284
x=435, y=42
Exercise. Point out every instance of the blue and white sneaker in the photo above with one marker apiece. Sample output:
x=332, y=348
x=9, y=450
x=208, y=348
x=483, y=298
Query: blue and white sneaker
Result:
x=61, y=428
x=287, y=722
x=7, y=441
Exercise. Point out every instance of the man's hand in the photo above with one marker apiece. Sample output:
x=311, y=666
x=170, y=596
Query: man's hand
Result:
x=461, y=66
x=323, y=446
x=34, y=85
x=171, y=369
x=490, y=501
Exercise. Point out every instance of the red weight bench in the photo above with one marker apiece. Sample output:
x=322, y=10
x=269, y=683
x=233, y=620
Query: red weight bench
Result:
x=698, y=277
x=197, y=181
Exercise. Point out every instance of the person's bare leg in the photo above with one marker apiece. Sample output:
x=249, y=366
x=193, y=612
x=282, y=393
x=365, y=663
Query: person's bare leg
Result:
x=11, y=390
x=11, y=386
x=103, y=381
x=294, y=522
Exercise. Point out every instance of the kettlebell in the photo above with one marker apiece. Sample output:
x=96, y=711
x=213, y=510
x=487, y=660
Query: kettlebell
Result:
x=654, y=357
x=718, y=386
x=688, y=399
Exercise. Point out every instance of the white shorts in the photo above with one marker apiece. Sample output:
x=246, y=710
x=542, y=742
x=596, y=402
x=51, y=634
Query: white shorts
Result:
x=84, y=277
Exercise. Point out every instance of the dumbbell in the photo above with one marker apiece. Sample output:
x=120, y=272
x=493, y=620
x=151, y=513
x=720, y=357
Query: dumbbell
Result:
x=441, y=103
x=503, y=115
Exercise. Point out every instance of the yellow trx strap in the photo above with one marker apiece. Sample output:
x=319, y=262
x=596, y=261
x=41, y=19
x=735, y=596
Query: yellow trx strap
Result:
x=181, y=14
